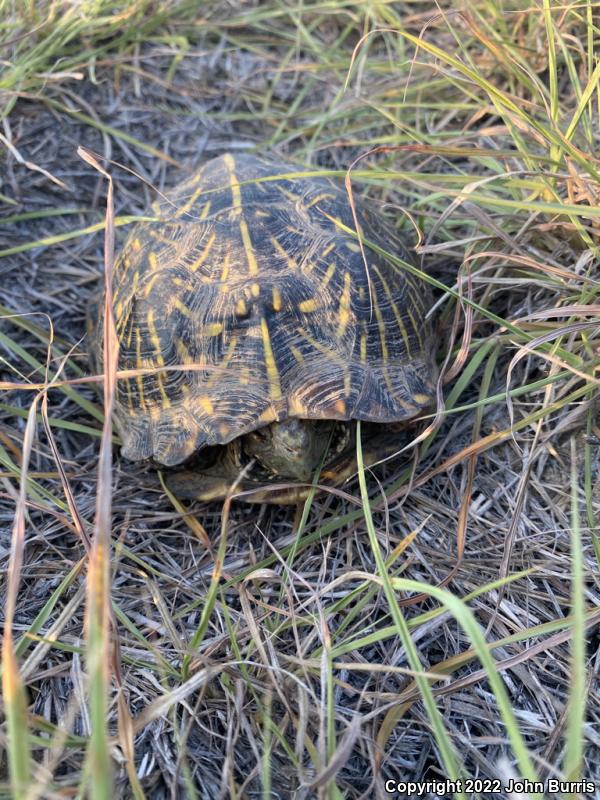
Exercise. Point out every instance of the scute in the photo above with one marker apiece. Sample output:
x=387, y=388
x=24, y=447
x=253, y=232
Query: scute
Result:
x=247, y=303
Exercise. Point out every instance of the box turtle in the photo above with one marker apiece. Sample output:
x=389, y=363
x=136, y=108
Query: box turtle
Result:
x=258, y=332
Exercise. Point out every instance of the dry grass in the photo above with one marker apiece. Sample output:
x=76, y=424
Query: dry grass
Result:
x=246, y=651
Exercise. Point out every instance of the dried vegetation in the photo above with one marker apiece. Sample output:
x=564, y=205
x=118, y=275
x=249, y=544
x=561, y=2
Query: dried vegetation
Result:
x=246, y=652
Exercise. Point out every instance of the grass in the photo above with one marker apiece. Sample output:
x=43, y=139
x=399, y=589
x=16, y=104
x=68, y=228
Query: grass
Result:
x=438, y=618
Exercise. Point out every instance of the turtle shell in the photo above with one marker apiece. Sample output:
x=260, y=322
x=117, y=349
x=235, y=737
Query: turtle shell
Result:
x=249, y=301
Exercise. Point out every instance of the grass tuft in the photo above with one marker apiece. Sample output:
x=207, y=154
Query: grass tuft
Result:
x=437, y=616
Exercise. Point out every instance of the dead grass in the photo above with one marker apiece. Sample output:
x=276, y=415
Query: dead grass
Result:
x=249, y=651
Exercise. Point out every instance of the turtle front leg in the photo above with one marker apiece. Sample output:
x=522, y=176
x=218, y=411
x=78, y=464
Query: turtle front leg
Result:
x=215, y=483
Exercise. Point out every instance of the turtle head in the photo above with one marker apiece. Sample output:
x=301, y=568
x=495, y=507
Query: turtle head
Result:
x=291, y=449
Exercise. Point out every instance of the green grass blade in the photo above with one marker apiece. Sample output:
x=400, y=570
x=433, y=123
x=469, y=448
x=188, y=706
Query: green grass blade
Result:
x=574, y=739
x=447, y=753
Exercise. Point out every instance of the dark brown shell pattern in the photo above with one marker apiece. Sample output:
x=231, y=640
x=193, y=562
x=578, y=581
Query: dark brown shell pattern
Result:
x=248, y=302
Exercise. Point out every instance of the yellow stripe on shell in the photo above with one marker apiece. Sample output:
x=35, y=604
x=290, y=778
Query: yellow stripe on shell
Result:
x=224, y=430
x=307, y=306
x=293, y=198
x=271, y=366
x=130, y=334
x=347, y=387
x=410, y=408
x=159, y=237
x=194, y=179
x=213, y=329
x=397, y=314
x=189, y=203
x=421, y=399
x=384, y=348
x=161, y=386
x=218, y=373
x=363, y=347
x=276, y=299
x=155, y=339
x=329, y=275
x=344, y=310
x=234, y=184
x=243, y=375
x=340, y=406
x=415, y=327
x=318, y=199
x=182, y=351
x=296, y=408
x=225, y=272
x=183, y=282
x=129, y=394
x=267, y=416
x=332, y=354
x=297, y=354
x=206, y=404
x=138, y=378
x=150, y=283
x=283, y=253
x=195, y=265
x=181, y=307
x=248, y=249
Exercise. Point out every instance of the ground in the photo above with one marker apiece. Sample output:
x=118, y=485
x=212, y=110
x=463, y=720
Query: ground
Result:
x=264, y=651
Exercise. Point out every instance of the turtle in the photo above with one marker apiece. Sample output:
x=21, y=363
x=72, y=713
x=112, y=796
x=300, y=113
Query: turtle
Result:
x=257, y=330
